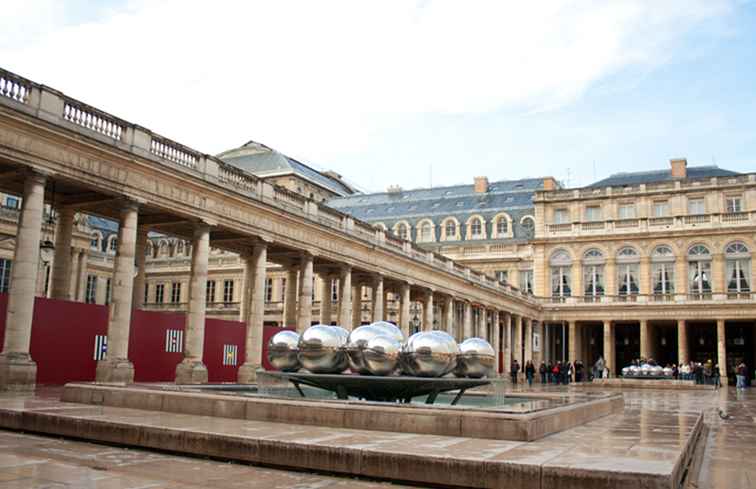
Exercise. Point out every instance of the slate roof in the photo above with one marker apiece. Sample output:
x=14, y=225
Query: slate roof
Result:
x=637, y=178
x=263, y=161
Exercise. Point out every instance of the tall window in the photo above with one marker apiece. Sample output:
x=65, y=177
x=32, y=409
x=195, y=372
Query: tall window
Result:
x=159, y=293
x=94, y=242
x=733, y=204
x=175, y=292
x=528, y=226
x=502, y=276
x=526, y=281
x=91, y=293
x=593, y=273
x=210, y=295
x=450, y=229
x=663, y=271
x=561, y=269
x=628, y=264
x=696, y=206
x=661, y=208
x=108, y=291
x=228, y=291
x=593, y=213
x=334, y=291
x=502, y=226
x=476, y=228
x=699, y=271
x=561, y=216
x=426, y=232
x=113, y=244
x=146, y=293
x=11, y=202
x=626, y=211
x=268, y=290
x=738, y=274
x=402, y=231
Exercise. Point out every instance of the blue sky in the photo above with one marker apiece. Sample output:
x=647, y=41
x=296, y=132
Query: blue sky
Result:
x=414, y=93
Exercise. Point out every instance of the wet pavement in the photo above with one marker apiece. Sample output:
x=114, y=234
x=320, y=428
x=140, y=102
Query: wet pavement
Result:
x=648, y=436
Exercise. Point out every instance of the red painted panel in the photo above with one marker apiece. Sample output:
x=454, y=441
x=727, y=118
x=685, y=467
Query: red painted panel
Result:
x=147, y=345
x=268, y=332
x=218, y=333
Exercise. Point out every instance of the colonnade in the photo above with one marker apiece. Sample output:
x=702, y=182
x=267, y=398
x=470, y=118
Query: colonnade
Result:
x=18, y=370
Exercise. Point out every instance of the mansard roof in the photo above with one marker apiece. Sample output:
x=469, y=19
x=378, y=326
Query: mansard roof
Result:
x=637, y=178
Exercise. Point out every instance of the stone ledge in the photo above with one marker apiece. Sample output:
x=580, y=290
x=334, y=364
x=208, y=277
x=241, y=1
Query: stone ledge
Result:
x=666, y=384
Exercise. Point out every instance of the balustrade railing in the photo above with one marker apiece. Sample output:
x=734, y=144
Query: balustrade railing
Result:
x=175, y=152
x=560, y=228
x=697, y=219
x=14, y=87
x=92, y=119
x=661, y=221
x=237, y=177
x=734, y=217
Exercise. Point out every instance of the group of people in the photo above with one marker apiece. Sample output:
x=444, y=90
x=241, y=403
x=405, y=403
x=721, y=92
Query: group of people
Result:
x=556, y=373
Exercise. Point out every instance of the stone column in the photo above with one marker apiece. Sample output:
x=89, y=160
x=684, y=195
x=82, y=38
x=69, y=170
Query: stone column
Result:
x=645, y=340
x=345, y=296
x=497, y=340
x=449, y=316
x=17, y=369
x=428, y=311
x=74, y=276
x=718, y=287
x=378, y=296
x=290, y=299
x=507, y=342
x=61, y=273
x=304, y=318
x=116, y=366
x=722, y=350
x=573, y=340
x=246, y=261
x=356, y=305
x=325, y=298
x=682, y=342
x=645, y=278
x=141, y=260
x=609, y=347
x=404, y=309
x=468, y=331
x=528, y=339
x=191, y=370
x=81, y=284
x=483, y=323
x=255, y=316
x=517, y=342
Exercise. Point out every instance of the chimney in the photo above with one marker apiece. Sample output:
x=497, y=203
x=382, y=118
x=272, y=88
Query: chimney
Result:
x=679, y=167
x=481, y=185
x=549, y=183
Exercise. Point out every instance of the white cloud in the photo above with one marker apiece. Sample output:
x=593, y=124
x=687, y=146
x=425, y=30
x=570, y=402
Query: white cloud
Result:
x=320, y=79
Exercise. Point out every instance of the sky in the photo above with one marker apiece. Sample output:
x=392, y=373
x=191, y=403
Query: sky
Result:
x=413, y=93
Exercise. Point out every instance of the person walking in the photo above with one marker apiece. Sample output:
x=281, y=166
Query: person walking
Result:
x=740, y=375
x=529, y=372
x=717, y=376
x=542, y=371
x=514, y=370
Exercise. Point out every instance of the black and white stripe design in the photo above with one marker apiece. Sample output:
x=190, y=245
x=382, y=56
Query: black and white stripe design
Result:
x=100, y=347
x=174, y=340
x=229, y=354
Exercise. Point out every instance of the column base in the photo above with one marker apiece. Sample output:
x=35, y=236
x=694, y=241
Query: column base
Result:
x=191, y=372
x=116, y=370
x=18, y=372
x=248, y=373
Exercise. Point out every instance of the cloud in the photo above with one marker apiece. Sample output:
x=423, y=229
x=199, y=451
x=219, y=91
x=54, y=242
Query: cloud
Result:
x=321, y=79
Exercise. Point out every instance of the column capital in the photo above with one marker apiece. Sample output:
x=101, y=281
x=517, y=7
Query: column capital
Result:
x=36, y=175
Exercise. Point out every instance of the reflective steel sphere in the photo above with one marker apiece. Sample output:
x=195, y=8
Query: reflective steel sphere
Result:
x=626, y=371
x=356, y=343
x=645, y=369
x=382, y=355
x=452, y=344
x=283, y=351
x=657, y=371
x=321, y=349
x=389, y=330
x=667, y=371
x=426, y=354
x=476, y=359
x=635, y=370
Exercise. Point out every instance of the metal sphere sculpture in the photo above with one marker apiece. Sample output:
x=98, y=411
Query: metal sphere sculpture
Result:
x=428, y=354
x=356, y=343
x=321, y=349
x=390, y=330
x=283, y=351
x=381, y=356
x=476, y=359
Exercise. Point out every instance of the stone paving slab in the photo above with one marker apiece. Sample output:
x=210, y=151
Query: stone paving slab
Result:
x=616, y=451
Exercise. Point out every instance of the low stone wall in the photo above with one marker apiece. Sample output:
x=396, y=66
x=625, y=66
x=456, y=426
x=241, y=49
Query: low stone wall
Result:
x=665, y=384
x=469, y=422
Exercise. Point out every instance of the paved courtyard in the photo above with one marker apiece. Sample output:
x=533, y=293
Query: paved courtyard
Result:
x=37, y=461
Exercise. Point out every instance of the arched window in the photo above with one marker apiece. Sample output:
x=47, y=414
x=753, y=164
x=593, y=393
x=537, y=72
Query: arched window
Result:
x=402, y=230
x=94, y=242
x=113, y=244
x=528, y=226
x=426, y=232
x=593, y=274
x=561, y=271
x=699, y=272
x=628, y=264
x=450, y=230
x=476, y=228
x=149, y=250
x=738, y=269
x=663, y=272
x=502, y=226
x=380, y=225
x=163, y=249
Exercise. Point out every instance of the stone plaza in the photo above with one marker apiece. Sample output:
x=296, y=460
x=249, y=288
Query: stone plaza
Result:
x=167, y=269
